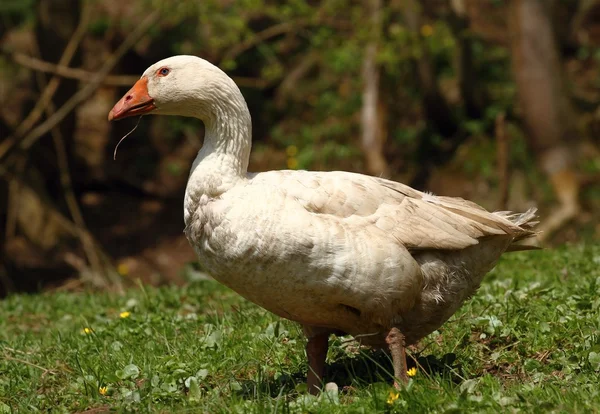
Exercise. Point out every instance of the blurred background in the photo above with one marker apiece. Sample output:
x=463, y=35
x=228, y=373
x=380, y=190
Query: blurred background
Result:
x=492, y=100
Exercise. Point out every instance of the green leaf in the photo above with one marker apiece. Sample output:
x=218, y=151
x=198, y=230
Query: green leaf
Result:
x=235, y=385
x=468, y=386
x=130, y=371
x=594, y=360
x=195, y=394
x=212, y=340
x=4, y=409
x=169, y=387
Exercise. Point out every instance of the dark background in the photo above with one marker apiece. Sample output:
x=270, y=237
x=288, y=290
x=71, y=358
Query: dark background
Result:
x=496, y=101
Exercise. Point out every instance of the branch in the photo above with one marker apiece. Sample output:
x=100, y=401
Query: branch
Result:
x=282, y=28
x=11, y=143
x=31, y=364
x=68, y=227
x=82, y=75
x=260, y=37
x=52, y=86
x=87, y=243
x=294, y=75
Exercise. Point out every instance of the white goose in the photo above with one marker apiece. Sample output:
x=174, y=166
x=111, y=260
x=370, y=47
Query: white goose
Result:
x=334, y=251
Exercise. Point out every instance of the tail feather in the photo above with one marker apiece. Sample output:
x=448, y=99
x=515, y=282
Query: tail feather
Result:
x=521, y=219
x=525, y=239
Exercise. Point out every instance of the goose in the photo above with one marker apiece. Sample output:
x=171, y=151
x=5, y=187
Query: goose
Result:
x=337, y=252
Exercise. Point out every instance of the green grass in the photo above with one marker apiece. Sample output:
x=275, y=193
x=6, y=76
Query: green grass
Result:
x=529, y=341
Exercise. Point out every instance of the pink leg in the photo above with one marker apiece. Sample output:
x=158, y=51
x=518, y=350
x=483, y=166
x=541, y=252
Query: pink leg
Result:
x=395, y=341
x=316, y=350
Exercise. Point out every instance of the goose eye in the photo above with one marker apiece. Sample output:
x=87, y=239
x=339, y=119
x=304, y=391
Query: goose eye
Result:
x=163, y=72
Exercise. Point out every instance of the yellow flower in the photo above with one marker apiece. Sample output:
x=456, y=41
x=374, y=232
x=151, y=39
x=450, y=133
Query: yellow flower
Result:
x=87, y=330
x=412, y=372
x=124, y=315
x=426, y=30
x=292, y=163
x=103, y=390
x=291, y=151
x=393, y=396
x=123, y=269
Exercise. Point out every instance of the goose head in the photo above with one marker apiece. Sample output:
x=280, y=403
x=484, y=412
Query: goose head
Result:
x=180, y=85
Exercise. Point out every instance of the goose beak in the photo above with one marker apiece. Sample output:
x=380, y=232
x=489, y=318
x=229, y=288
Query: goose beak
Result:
x=135, y=102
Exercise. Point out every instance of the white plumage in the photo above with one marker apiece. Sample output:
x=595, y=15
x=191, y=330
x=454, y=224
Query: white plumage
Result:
x=334, y=251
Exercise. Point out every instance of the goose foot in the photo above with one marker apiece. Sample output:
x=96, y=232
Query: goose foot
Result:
x=395, y=341
x=316, y=350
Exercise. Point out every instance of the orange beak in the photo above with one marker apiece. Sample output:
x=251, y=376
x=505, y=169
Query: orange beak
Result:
x=135, y=102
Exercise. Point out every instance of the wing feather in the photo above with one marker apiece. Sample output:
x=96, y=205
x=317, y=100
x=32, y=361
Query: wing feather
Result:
x=415, y=219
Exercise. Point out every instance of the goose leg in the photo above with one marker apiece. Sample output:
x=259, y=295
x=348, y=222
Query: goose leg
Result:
x=316, y=350
x=395, y=341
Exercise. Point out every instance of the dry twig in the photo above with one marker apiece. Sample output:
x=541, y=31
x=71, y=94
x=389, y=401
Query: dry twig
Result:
x=266, y=34
x=28, y=140
x=82, y=75
x=31, y=364
x=294, y=75
x=86, y=76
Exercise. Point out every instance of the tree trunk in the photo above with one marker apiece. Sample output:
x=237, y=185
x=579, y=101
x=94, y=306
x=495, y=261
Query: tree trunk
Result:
x=546, y=107
x=372, y=120
x=56, y=22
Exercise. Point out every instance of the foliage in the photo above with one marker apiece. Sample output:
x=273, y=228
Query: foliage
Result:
x=311, y=68
x=528, y=341
x=17, y=10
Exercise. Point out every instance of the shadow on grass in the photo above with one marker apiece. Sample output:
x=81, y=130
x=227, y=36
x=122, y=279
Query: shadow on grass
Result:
x=367, y=367
x=371, y=366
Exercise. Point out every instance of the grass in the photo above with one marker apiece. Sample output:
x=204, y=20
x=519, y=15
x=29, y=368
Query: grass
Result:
x=529, y=341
